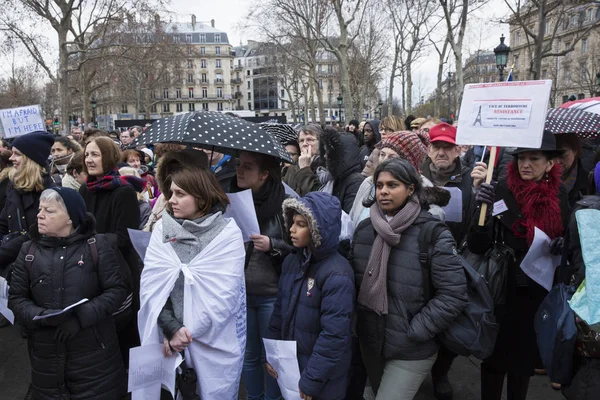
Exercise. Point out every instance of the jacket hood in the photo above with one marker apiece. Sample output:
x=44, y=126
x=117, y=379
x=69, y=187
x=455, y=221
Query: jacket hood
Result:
x=375, y=127
x=86, y=229
x=323, y=213
x=340, y=151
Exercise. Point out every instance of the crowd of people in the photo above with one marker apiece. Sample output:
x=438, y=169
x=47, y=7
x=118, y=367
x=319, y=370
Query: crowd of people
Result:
x=335, y=267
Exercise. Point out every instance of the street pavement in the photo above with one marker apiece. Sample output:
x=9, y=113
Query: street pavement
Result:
x=15, y=375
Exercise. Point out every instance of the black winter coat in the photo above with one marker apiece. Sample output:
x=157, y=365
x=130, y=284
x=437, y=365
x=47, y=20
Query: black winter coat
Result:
x=409, y=330
x=581, y=187
x=516, y=347
x=18, y=215
x=88, y=366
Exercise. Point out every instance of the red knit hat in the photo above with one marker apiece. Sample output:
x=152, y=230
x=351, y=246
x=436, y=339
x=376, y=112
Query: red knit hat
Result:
x=409, y=145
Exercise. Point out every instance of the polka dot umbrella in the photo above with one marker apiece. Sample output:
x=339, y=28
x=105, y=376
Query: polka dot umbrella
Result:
x=214, y=131
x=573, y=120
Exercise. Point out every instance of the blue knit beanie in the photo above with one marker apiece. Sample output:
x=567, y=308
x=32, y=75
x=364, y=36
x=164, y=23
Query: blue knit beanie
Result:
x=74, y=204
x=35, y=145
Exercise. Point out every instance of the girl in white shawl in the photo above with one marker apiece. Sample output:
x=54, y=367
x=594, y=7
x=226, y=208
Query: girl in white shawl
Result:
x=192, y=287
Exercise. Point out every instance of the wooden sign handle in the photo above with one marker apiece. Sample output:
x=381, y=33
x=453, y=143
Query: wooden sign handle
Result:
x=488, y=179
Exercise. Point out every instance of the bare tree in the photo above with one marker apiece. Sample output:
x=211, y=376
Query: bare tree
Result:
x=542, y=20
x=398, y=17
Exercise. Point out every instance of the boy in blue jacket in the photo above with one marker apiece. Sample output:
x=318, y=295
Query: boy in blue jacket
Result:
x=315, y=299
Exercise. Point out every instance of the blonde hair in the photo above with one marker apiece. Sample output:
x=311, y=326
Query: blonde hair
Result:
x=132, y=171
x=28, y=177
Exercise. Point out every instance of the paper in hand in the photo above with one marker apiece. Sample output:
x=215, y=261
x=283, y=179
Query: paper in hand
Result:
x=281, y=354
x=453, y=210
x=539, y=264
x=241, y=209
x=148, y=366
x=38, y=317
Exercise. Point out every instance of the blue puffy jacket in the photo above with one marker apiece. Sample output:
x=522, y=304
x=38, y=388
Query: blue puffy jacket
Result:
x=315, y=300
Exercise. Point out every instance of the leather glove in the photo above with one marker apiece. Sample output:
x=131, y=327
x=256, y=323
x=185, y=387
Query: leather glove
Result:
x=486, y=194
x=68, y=329
x=557, y=245
x=53, y=321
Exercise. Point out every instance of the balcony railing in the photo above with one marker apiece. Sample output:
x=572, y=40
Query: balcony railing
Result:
x=219, y=81
x=237, y=95
x=236, y=81
x=238, y=67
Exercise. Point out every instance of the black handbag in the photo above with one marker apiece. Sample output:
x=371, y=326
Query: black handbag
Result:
x=186, y=381
x=492, y=265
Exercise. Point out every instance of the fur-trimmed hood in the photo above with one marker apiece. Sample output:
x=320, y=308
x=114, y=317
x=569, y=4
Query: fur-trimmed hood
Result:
x=323, y=213
x=341, y=153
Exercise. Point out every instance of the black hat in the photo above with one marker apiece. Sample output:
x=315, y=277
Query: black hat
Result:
x=36, y=146
x=74, y=204
x=548, y=146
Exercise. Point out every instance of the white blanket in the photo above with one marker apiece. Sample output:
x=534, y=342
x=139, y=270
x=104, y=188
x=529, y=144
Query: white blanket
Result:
x=214, y=309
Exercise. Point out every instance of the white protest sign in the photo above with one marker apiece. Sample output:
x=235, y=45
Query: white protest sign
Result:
x=19, y=121
x=504, y=114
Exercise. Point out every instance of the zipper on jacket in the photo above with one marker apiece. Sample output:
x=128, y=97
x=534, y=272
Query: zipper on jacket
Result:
x=97, y=335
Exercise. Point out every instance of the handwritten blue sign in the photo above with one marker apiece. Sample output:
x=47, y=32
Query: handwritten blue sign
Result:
x=19, y=121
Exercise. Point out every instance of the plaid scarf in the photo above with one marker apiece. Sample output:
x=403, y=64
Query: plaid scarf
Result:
x=113, y=180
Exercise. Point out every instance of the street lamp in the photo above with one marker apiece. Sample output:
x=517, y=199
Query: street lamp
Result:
x=380, y=107
x=340, y=99
x=93, y=104
x=501, y=52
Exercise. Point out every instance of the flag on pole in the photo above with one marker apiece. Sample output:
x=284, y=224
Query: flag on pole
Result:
x=509, y=78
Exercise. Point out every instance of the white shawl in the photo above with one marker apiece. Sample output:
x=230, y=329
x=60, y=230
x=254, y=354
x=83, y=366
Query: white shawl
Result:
x=214, y=309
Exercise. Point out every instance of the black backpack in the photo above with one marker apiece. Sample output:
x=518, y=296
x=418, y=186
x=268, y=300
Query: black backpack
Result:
x=475, y=330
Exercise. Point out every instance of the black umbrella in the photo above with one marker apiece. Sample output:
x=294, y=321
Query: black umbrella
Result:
x=573, y=120
x=285, y=133
x=214, y=131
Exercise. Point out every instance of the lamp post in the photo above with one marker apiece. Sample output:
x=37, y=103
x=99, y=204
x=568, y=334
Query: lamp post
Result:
x=380, y=108
x=340, y=100
x=501, y=52
x=93, y=104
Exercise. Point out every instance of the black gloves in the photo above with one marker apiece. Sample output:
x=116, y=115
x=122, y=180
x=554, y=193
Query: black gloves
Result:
x=68, y=329
x=486, y=194
x=557, y=246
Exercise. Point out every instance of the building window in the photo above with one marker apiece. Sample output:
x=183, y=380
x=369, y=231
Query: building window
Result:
x=191, y=93
x=282, y=93
x=202, y=50
x=248, y=72
x=516, y=61
x=582, y=72
x=547, y=27
x=178, y=78
x=217, y=38
x=166, y=78
x=220, y=92
x=190, y=64
x=202, y=63
x=204, y=106
x=179, y=107
x=584, y=46
x=204, y=93
x=590, y=14
x=166, y=107
x=190, y=78
x=176, y=38
x=218, y=61
x=204, y=78
x=191, y=107
x=248, y=84
x=124, y=109
x=190, y=51
x=249, y=95
x=219, y=78
x=217, y=50
x=188, y=38
x=249, y=106
x=153, y=108
x=580, y=96
x=178, y=93
x=202, y=38
x=320, y=83
x=518, y=38
x=165, y=93
x=153, y=94
x=565, y=98
x=219, y=106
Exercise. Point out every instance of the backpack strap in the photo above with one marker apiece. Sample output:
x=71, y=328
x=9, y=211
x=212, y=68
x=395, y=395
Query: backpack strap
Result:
x=94, y=249
x=30, y=256
x=428, y=234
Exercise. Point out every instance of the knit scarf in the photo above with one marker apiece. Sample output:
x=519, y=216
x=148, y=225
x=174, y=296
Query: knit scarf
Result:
x=442, y=177
x=373, y=289
x=113, y=180
x=539, y=203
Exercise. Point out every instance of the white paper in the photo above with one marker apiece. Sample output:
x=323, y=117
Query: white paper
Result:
x=148, y=366
x=499, y=208
x=453, y=210
x=140, y=241
x=506, y=114
x=38, y=317
x=4, y=310
x=289, y=191
x=538, y=263
x=21, y=120
x=281, y=354
x=241, y=209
